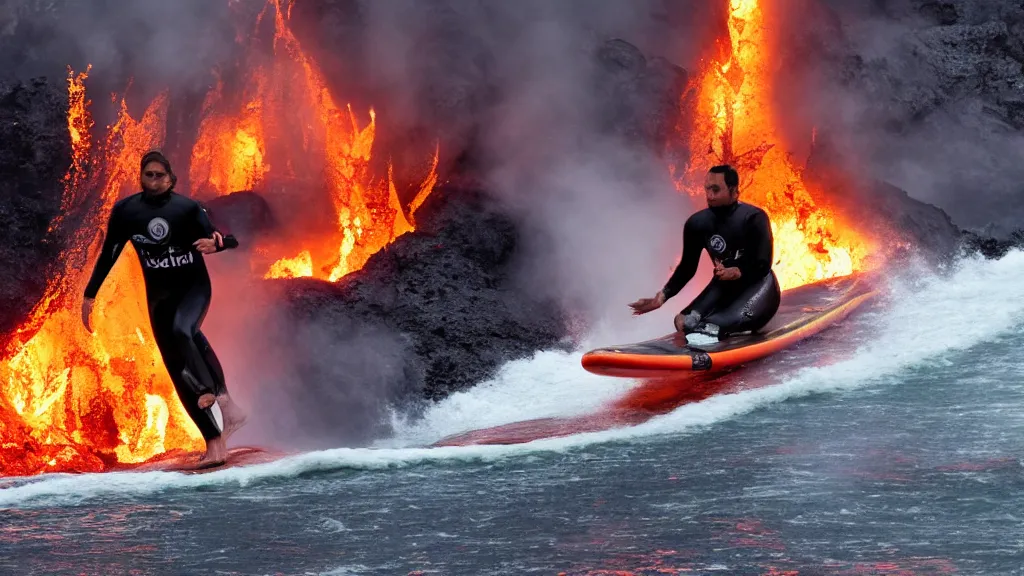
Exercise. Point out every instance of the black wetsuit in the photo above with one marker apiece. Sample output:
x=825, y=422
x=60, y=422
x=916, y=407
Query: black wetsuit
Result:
x=162, y=229
x=738, y=235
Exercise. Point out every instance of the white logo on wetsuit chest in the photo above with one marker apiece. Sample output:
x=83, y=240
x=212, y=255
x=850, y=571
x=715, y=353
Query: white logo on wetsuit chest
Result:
x=717, y=243
x=158, y=228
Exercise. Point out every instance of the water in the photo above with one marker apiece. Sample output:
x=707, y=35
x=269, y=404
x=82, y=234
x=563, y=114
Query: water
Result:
x=890, y=445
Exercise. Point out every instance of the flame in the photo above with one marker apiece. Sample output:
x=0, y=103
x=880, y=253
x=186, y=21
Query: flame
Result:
x=300, y=266
x=735, y=124
x=289, y=100
x=79, y=127
x=75, y=401
x=229, y=154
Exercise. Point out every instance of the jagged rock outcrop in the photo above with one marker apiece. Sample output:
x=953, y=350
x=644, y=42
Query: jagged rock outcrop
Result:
x=436, y=311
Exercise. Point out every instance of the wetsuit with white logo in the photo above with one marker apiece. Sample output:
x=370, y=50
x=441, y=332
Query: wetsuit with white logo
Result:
x=162, y=229
x=738, y=235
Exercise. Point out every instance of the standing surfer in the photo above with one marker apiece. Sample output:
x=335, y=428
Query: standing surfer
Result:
x=744, y=294
x=170, y=234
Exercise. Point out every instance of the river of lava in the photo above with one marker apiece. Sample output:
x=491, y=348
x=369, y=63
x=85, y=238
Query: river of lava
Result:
x=735, y=123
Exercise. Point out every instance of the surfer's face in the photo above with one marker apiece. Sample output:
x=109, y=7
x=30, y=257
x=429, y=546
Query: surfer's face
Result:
x=155, y=178
x=716, y=192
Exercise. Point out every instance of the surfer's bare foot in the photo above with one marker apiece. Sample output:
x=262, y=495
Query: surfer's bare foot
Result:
x=216, y=453
x=206, y=400
x=234, y=416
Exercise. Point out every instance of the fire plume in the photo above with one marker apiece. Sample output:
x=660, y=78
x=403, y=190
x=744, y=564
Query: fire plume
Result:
x=288, y=100
x=735, y=124
x=71, y=400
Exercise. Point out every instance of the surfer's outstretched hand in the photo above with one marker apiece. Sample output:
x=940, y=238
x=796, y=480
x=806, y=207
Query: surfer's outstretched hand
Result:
x=645, y=305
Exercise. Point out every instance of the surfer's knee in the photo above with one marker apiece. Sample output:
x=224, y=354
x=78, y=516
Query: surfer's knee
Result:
x=765, y=302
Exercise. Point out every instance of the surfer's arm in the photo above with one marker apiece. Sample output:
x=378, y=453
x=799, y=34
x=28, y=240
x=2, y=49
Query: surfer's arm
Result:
x=113, y=244
x=757, y=261
x=687, y=267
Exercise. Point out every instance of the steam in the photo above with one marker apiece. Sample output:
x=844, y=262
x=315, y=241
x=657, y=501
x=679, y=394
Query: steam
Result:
x=558, y=135
x=923, y=95
x=155, y=42
x=306, y=382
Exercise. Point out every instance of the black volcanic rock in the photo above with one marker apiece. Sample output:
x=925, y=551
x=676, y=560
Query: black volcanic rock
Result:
x=930, y=93
x=442, y=297
x=639, y=96
x=885, y=211
x=990, y=246
x=245, y=214
x=35, y=151
x=901, y=223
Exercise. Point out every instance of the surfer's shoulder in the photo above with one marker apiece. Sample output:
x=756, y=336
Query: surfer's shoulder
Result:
x=749, y=211
x=127, y=202
x=701, y=218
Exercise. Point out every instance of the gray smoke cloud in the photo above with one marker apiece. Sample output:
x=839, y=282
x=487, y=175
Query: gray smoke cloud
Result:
x=306, y=381
x=155, y=42
x=925, y=95
x=553, y=131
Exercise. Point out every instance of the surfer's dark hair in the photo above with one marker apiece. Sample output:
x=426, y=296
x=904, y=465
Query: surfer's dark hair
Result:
x=732, y=177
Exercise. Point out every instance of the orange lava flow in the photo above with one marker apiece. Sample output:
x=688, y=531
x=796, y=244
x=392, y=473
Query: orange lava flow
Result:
x=75, y=401
x=79, y=129
x=735, y=123
x=288, y=101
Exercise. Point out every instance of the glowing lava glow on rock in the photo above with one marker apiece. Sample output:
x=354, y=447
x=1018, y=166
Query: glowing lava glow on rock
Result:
x=75, y=401
x=735, y=124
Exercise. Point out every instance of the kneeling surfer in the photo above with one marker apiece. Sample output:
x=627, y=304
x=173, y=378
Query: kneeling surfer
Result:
x=744, y=294
x=170, y=234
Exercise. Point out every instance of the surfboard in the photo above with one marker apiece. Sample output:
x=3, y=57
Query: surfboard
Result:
x=666, y=368
x=189, y=462
x=804, y=311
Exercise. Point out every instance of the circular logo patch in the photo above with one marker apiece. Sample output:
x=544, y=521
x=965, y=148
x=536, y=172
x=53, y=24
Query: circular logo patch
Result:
x=717, y=243
x=158, y=229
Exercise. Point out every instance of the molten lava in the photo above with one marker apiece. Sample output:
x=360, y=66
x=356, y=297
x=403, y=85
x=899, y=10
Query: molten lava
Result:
x=75, y=401
x=288, y=100
x=735, y=124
